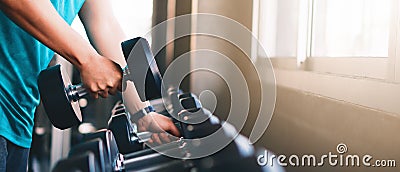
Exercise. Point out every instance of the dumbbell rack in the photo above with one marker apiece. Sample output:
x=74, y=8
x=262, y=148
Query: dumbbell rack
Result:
x=123, y=149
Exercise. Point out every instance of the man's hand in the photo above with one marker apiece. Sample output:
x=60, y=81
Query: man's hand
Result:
x=160, y=125
x=101, y=76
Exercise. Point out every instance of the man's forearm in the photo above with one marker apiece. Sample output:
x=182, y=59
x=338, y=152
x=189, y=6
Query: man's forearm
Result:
x=103, y=29
x=106, y=35
x=41, y=20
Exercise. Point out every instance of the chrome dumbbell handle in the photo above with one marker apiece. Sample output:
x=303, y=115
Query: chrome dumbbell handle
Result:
x=75, y=92
x=141, y=137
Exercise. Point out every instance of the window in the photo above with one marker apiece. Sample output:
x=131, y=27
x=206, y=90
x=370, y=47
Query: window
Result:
x=348, y=50
x=134, y=16
x=278, y=27
x=347, y=37
x=351, y=28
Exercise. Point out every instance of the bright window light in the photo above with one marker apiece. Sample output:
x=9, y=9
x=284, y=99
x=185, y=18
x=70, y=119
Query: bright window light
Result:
x=134, y=16
x=351, y=28
x=339, y=28
x=278, y=27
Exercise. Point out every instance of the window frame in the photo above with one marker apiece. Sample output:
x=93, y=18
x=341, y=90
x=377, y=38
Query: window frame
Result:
x=386, y=69
x=363, y=81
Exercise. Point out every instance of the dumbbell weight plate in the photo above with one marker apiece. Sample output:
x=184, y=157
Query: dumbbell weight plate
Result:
x=122, y=129
x=61, y=112
x=143, y=70
x=83, y=162
x=109, y=142
x=100, y=152
x=190, y=103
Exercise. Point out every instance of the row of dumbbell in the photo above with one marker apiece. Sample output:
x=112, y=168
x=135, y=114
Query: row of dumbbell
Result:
x=103, y=152
x=127, y=138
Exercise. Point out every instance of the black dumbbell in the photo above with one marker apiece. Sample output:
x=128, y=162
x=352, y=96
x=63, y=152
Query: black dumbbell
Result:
x=175, y=101
x=241, y=156
x=197, y=124
x=129, y=140
x=86, y=161
x=110, y=144
x=126, y=138
x=143, y=67
x=101, y=145
x=118, y=108
x=60, y=97
x=100, y=152
x=190, y=103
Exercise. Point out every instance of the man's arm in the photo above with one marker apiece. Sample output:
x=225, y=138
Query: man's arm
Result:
x=103, y=29
x=106, y=35
x=41, y=20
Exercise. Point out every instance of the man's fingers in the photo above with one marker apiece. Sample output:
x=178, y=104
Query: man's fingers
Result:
x=156, y=138
x=96, y=92
x=150, y=141
x=165, y=137
x=158, y=123
x=141, y=125
x=173, y=129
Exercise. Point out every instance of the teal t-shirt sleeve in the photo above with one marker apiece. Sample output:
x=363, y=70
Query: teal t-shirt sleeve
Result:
x=22, y=58
x=68, y=9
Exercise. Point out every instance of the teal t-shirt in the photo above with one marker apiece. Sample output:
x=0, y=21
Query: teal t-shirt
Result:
x=22, y=58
